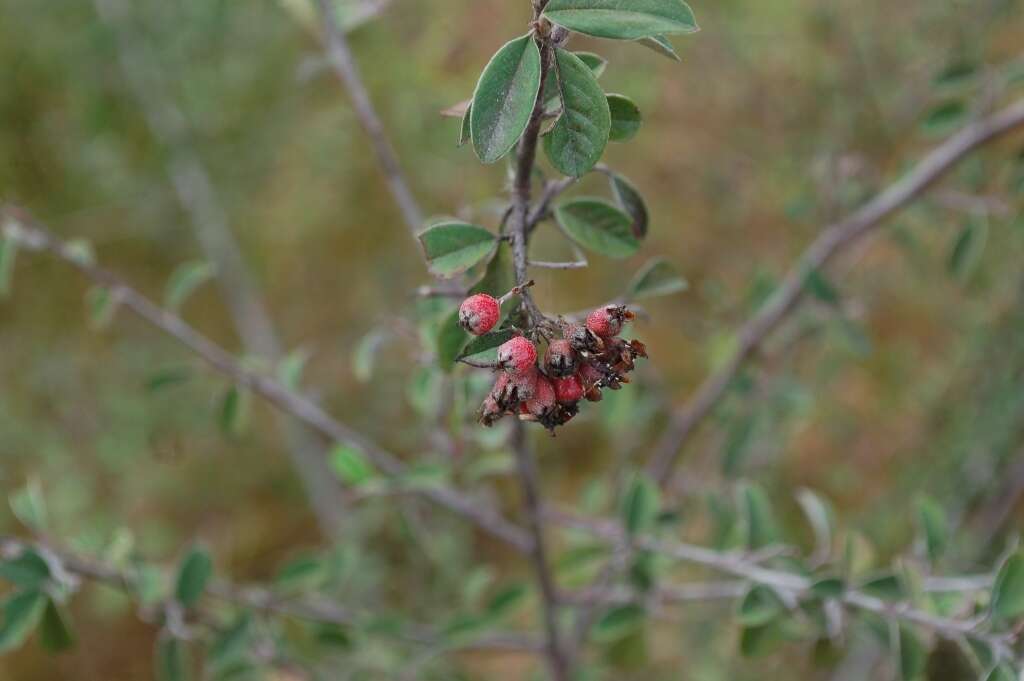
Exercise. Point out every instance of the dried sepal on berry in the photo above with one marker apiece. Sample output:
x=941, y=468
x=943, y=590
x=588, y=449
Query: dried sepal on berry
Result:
x=608, y=321
x=582, y=339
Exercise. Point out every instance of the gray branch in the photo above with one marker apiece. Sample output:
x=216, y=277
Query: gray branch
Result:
x=832, y=241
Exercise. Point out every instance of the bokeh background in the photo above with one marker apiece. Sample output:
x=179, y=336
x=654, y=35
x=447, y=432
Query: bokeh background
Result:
x=782, y=116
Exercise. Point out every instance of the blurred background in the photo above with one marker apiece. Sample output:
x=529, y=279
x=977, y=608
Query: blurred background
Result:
x=907, y=377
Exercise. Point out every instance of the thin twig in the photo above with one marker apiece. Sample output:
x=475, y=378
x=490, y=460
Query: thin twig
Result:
x=345, y=67
x=529, y=480
x=832, y=241
x=312, y=608
x=19, y=226
x=795, y=585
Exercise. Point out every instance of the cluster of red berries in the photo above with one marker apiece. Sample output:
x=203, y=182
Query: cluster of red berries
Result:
x=577, y=366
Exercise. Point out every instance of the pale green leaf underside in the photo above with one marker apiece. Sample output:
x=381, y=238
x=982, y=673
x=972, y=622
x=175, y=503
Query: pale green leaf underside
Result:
x=453, y=247
x=598, y=226
x=661, y=45
x=657, y=278
x=504, y=98
x=575, y=144
x=626, y=118
x=623, y=19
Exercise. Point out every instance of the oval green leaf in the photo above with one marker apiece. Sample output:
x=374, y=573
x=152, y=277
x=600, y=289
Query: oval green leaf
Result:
x=641, y=505
x=504, y=98
x=22, y=612
x=626, y=118
x=657, y=278
x=661, y=45
x=193, y=575
x=575, y=144
x=453, y=247
x=599, y=226
x=484, y=349
x=629, y=200
x=1008, y=593
x=623, y=20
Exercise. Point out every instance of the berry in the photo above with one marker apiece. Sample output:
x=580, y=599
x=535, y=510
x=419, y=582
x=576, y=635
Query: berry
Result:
x=606, y=322
x=490, y=411
x=544, y=398
x=590, y=376
x=479, y=313
x=568, y=390
x=582, y=339
x=517, y=355
x=560, y=359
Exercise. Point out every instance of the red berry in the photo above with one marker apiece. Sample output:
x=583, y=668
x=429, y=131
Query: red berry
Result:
x=517, y=355
x=568, y=390
x=479, y=313
x=607, y=321
x=544, y=399
x=590, y=375
x=560, y=359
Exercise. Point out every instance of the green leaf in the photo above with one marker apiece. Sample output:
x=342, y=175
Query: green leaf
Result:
x=968, y=249
x=619, y=622
x=464, y=130
x=819, y=515
x=934, y=527
x=886, y=586
x=484, y=349
x=185, y=279
x=945, y=118
x=364, y=355
x=661, y=45
x=821, y=288
x=761, y=640
x=595, y=62
x=622, y=20
x=626, y=118
x=170, y=659
x=167, y=377
x=629, y=199
x=8, y=255
x=657, y=278
x=913, y=654
x=640, y=505
x=289, y=369
x=351, y=466
x=759, y=606
x=1001, y=672
x=598, y=226
x=762, y=529
x=451, y=338
x=453, y=247
x=1008, y=592
x=22, y=612
x=828, y=587
x=507, y=600
x=28, y=505
x=193, y=575
x=54, y=632
x=231, y=645
x=504, y=98
x=28, y=570
x=234, y=411
x=101, y=306
x=575, y=144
